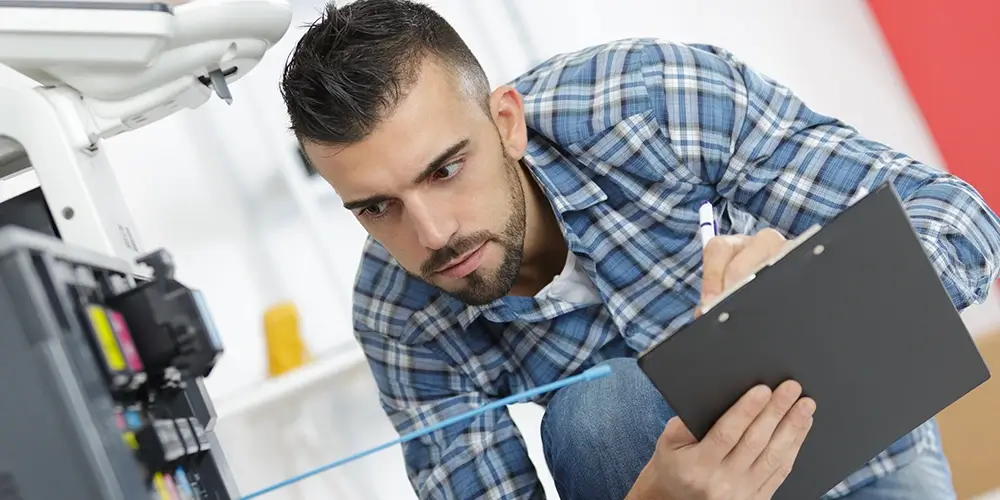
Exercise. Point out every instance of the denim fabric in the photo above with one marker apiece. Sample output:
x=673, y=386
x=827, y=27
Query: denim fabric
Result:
x=598, y=436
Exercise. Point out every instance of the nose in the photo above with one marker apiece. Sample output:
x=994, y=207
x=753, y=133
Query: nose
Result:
x=434, y=228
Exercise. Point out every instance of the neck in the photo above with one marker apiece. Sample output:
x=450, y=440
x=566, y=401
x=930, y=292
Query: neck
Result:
x=544, y=245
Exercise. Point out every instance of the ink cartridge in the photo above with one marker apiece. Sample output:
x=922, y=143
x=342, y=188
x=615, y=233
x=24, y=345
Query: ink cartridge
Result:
x=128, y=437
x=120, y=420
x=183, y=485
x=161, y=488
x=171, y=487
x=109, y=352
x=133, y=419
x=191, y=445
x=160, y=444
x=169, y=323
x=199, y=433
x=126, y=425
x=129, y=351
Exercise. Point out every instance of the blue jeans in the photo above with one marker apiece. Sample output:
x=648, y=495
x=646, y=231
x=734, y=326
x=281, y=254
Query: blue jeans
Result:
x=598, y=436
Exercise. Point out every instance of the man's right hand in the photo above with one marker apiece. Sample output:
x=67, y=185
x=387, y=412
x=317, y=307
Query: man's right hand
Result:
x=745, y=456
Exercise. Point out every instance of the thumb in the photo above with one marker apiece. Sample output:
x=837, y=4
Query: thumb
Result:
x=716, y=256
x=676, y=434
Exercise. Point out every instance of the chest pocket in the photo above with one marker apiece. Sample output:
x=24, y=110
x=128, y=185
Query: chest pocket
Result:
x=642, y=239
x=636, y=146
x=635, y=164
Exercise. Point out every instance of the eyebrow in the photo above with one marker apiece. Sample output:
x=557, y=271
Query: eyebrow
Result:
x=434, y=165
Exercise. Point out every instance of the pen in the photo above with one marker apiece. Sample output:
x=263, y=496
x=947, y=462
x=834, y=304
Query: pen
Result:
x=593, y=373
x=706, y=223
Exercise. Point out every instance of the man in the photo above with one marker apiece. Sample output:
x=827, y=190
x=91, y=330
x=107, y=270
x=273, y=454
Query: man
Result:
x=522, y=235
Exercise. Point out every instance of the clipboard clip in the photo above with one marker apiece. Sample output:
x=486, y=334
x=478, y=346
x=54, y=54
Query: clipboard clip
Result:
x=791, y=245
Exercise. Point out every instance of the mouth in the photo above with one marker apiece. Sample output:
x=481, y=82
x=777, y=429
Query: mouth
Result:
x=464, y=264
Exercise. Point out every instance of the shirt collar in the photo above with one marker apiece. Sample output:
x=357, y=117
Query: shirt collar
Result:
x=565, y=185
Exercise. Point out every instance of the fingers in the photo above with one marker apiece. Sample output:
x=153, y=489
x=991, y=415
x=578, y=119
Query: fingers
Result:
x=771, y=485
x=775, y=463
x=716, y=256
x=676, y=435
x=754, y=254
x=727, y=260
x=728, y=430
x=757, y=437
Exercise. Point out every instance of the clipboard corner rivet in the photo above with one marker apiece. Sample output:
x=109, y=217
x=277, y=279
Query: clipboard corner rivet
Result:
x=723, y=317
x=818, y=249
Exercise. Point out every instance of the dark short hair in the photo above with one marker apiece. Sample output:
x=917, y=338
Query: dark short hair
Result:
x=355, y=64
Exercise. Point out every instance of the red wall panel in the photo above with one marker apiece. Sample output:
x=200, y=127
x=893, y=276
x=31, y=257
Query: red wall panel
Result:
x=949, y=54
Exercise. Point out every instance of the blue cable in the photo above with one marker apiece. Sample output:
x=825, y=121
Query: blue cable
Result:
x=590, y=374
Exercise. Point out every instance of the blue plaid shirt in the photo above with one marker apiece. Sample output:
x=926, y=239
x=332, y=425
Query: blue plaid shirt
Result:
x=626, y=140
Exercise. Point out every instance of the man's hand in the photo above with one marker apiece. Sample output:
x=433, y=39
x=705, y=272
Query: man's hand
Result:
x=729, y=259
x=745, y=456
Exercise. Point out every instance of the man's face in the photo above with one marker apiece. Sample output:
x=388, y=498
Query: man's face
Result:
x=435, y=185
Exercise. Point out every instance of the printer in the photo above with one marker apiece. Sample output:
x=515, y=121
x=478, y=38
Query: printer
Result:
x=103, y=353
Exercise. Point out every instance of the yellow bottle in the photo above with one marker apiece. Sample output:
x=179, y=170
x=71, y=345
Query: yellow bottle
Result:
x=285, y=348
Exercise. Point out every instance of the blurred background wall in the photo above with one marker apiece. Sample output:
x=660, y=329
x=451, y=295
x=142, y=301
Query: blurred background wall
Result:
x=223, y=189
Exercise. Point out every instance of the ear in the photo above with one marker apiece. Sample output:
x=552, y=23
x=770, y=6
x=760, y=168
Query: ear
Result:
x=507, y=108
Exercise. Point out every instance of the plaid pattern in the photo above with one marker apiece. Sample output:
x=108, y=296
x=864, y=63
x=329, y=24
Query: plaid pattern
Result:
x=627, y=139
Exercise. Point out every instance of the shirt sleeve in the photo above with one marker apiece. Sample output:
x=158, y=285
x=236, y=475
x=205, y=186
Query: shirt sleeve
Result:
x=766, y=151
x=484, y=457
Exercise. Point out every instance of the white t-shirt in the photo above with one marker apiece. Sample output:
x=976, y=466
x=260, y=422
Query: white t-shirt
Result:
x=572, y=285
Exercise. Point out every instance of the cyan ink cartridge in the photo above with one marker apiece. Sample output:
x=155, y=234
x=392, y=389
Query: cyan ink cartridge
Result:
x=133, y=419
x=184, y=485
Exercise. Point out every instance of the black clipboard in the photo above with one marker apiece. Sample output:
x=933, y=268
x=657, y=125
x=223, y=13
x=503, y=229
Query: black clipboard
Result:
x=858, y=315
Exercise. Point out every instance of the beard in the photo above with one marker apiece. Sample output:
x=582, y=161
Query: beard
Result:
x=484, y=286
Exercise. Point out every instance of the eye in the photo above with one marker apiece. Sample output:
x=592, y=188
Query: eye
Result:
x=374, y=211
x=448, y=171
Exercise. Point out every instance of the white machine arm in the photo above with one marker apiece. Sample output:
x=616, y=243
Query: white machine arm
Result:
x=101, y=68
x=136, y=62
